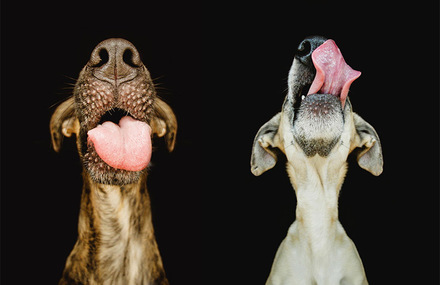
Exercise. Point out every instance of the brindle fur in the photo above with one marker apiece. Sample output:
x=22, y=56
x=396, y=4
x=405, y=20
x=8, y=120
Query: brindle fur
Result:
x=116, y=242
x=114, y=254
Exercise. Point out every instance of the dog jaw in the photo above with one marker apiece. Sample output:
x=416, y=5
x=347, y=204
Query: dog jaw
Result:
x=317, y=130
x=319, y=124
x=319, y=140
x=315, y=121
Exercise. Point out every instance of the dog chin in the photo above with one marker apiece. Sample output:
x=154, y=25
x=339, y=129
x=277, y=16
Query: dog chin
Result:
x=319, y=124
x=101, y=172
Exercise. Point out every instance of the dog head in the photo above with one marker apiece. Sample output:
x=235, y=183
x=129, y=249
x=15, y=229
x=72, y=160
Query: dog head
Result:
x=317, y=122
x=114, y=112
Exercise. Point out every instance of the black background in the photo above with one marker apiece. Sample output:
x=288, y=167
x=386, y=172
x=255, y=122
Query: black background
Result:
x=223, y=69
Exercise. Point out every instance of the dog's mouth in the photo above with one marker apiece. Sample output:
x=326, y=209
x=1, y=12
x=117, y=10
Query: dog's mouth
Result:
x=319, y=104
x=115, y=127
x=121, y=141
x=333, y=75
x=114, y=113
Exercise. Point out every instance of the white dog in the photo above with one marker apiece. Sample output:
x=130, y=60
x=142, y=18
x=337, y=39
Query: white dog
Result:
x=317, y=131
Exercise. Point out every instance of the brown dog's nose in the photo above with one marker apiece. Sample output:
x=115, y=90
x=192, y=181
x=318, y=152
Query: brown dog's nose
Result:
x=115, y=61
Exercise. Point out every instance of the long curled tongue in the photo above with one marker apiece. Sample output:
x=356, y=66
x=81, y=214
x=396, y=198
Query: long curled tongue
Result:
x=127, y=146
x=333, y=75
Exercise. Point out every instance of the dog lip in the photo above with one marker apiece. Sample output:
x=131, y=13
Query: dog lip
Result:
x=96, y=98
x=101, y=172
x=115, y=115
x=320, y=103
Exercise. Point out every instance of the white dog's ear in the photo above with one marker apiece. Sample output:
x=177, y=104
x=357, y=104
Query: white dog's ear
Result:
x=264, y=155
x=369, y=156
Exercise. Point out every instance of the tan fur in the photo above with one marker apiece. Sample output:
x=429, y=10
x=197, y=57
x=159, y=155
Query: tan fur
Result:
x=316, y=249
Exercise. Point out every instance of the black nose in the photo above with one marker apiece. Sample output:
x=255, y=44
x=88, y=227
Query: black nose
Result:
x=306, y=48
x=115, y=61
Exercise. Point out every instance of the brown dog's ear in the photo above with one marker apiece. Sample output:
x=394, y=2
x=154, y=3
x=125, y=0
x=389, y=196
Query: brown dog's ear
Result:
x=63, y=123
x=164, y=123
x=369, y=156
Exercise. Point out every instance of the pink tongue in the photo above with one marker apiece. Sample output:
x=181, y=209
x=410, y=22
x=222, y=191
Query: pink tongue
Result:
x=333, y=75
x=127, y=146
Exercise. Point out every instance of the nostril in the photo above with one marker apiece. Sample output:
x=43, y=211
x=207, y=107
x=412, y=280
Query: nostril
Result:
x=304, y=48
x=115, y=61
x=129, y=58
x=102, y=59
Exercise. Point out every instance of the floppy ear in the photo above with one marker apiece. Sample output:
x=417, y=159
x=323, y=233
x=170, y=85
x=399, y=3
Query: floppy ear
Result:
x=164, y=123
x=63, y=123
x=264, y=156
x=369, y=157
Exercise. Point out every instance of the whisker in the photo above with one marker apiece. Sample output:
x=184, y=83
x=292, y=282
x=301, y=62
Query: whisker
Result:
x=71, y=78
x=342, y=143
x=290, y=144
x=61, y=101
x=157, y=78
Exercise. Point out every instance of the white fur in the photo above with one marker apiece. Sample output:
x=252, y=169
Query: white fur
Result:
x=316, y=250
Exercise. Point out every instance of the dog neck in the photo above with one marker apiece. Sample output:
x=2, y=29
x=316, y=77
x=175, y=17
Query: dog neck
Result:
x=317, y=188
x=115, y=235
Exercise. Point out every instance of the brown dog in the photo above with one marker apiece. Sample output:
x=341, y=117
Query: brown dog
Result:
x=116, y=243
